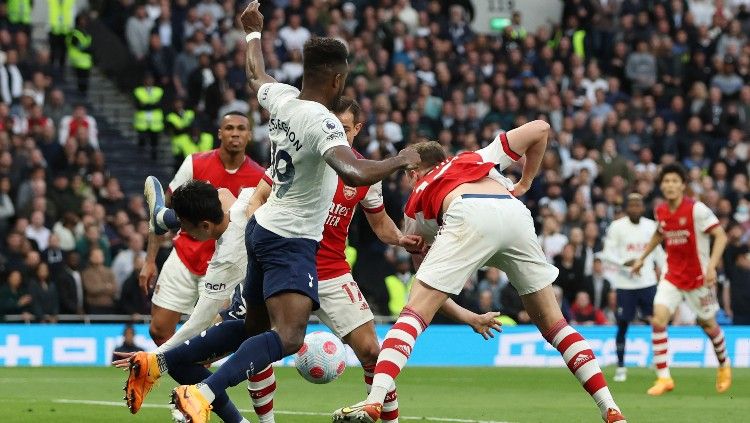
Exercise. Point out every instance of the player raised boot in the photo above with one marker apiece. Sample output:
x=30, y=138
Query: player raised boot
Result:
x=723, y=377
x=144, y=372
x=154, y=194
x=661, y=386
x=621, y=374
x=191, y=404
x=359, y=412
x=614, y=416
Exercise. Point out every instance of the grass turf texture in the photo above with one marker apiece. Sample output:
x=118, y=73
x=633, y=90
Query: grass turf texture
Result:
x=522, y=395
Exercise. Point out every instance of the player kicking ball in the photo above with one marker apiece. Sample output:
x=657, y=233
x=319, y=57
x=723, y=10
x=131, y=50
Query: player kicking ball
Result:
x=687, y=226
x=343, y=309
x=480, y=223
x=625, y=241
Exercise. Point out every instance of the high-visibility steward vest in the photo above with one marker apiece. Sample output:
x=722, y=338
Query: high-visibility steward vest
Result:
x=78, y=49
x=148, y=116
x=61, y=16
x=180, y=128
x=351, y=255
x=398, y=294
x=187, y=146
x=579, y=48
x=19, y=11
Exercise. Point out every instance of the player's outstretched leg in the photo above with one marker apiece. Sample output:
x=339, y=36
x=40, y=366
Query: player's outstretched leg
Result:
x=389, y=413
x=160, y=218
x=396, y=349
x=261, y=387
x=621, y=374
x=575, y=350
x=724, y=372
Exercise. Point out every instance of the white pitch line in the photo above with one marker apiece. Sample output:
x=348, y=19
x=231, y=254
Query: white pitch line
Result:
x=291, y=413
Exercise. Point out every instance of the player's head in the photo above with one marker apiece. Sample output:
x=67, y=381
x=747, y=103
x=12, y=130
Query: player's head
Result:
x=198, y=206
x=234, y=132
x=634, y=207
x=672, y=181
x=325, y=67
x=350, y=114
x=431, y=154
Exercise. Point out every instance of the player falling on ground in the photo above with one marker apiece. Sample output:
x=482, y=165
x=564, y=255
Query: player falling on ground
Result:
x=686, y=226
x=480, y=223
x=308, y=149
x=626, y=239
x=343, y=309
x=178, y=285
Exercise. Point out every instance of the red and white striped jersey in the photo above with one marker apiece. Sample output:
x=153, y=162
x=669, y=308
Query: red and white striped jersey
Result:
x=687, y=241
x=208, y=166
x=331, y=259
x=422, y=210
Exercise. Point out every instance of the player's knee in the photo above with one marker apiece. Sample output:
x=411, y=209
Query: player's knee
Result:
x=291, y=339
x=368, y=354
x=706, y=324
x=160, y=333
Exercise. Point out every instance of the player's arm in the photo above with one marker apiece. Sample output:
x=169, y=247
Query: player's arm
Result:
x=362, y=172
x=255, y=66
x=717, y=250
x=387, y=231
x=656, y=239
x=260, y=196
x=482, y=324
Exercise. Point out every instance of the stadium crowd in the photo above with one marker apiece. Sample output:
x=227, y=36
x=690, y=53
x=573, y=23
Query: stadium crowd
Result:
x=627, y=86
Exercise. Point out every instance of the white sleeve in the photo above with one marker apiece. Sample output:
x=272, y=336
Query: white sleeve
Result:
x=329, y=133
x=373, y=201
x=273, y=93
x=410, y=225
x=703, y=218
x=203, y=315
x=184, y=174
x=499, y=152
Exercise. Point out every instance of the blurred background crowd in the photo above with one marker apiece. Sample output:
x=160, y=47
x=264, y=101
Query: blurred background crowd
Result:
x=626, y=85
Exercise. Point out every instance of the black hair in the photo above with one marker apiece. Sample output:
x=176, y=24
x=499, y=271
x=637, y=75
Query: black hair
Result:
x=324, y=57
x=196, y=201
x=673, y=168
x=345, y=104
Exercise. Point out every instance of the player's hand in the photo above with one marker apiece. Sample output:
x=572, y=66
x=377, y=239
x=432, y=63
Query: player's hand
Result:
x=251, y=18
x=521, y=187
x=484, y=324
x=147, y=277
x=414, y=244
x=710, y=279
x=411, y=158
x=124, y=361
x=637, y=264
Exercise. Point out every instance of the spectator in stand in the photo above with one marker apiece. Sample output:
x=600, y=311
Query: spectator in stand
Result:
x=137, y=30
x=14, y=297
x=128, y=342
x=7, y=210
x=122, y=265
x=494, y=281
x=512, y=306
x=736, y=295
x=37, y=232
x=584, y=313
x=79, y=120
x=43, y=291
x=132, y=300
x=99, y=285
x=597, y=286
x=70, y=285
x=93, y=239
x=571, y=278
x=294, y=35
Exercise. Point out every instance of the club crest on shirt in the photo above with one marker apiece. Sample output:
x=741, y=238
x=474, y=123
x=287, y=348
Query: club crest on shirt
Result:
x=682, y=221
x=329, y=125
x=349, y=192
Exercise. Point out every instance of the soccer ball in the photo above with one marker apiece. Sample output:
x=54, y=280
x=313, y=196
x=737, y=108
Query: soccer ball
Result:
x=321, y=359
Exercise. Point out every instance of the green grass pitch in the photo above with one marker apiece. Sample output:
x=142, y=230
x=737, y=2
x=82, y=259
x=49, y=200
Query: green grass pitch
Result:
x=522, y=395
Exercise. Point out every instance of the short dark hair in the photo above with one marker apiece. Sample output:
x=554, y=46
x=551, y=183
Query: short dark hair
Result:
x=235, y=113
x=431, y=153
x=196, y=201
x=348, y=104
x=673, y=168
x=323, y=57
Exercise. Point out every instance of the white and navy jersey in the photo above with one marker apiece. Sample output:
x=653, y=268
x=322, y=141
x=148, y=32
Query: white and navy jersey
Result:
x=303, y=184
x=626, y=241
